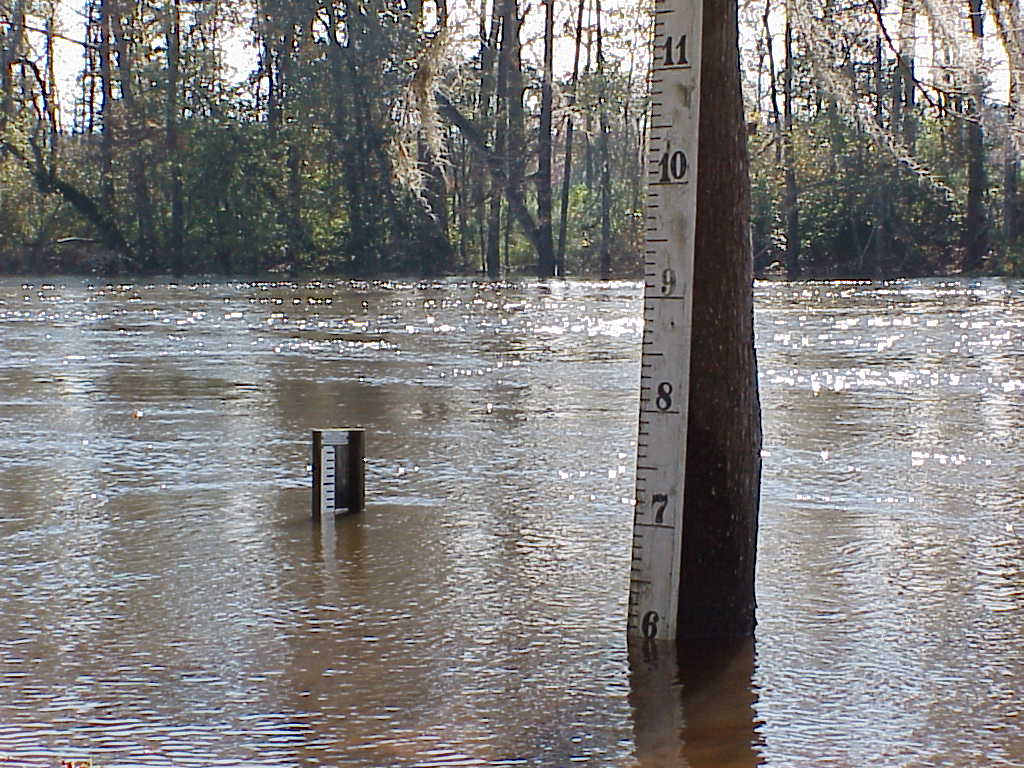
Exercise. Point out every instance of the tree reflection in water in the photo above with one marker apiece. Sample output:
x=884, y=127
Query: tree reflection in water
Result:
x=693, y=704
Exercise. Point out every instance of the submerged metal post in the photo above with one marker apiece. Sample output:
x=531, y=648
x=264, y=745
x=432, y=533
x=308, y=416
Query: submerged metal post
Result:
x=339, y=471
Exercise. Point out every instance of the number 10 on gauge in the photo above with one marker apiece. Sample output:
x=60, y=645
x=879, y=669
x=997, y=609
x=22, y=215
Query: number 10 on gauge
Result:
x=665, y=357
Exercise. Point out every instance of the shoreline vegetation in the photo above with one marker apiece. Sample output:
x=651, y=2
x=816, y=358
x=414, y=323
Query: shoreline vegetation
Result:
x=86, y=259
x=394, y=139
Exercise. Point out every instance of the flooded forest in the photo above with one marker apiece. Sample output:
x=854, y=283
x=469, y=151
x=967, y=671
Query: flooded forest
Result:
x=167, y=602
x=355, y=139
x=230, y=227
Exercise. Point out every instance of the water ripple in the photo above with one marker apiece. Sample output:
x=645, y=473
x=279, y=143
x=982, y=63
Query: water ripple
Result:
x=166, y=600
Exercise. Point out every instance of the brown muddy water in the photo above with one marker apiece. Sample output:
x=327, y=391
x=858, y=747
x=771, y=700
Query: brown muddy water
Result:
x=166, y=601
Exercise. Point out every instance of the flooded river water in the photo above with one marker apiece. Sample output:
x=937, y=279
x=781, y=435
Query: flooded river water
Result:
x=165, y=599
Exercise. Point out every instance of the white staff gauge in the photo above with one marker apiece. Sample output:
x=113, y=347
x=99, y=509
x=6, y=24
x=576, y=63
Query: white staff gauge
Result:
x=665, y=357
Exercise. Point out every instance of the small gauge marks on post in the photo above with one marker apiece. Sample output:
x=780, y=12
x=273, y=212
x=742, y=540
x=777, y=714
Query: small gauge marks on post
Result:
x=665, y=357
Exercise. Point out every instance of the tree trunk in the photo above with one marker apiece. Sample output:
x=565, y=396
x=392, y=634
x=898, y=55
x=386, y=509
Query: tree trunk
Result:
x=493, y=256
x=487, y=193
x=1008, y=23
x=791, y=201
x=546, y=256
x=773, y=84
x=603, y=154
x=563, y=223
x=723, y=450
x=494, y=223
x=146, y=245
x=877, y=252
x=106, y=110
x=11, y=41
x=176, y=240
x=47, y=181
x=85, y=117
x=436, y=253
x=516, y=148
x=299, y=241
x=975, y=226
x=908, y=43
x=50, y=95
x=349, y=130
x=1011, y=193
x=633, y=155
x=1011, y=167
x=461, y=195
x=588, y=117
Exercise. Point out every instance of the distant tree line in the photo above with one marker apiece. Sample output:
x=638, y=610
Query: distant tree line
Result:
x=879, y=141
x=369, y=137
x=398, y=136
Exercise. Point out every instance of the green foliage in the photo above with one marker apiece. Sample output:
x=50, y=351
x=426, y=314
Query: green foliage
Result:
x=862, y=212
x=296, y=168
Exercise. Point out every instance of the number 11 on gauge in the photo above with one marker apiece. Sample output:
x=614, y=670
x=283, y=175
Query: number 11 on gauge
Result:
x=665, y=356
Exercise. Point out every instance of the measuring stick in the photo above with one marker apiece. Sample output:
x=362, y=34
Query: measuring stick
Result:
x=665, y=357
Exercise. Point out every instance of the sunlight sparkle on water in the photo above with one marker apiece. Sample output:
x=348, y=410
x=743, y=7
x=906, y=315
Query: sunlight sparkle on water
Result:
x=155, y=503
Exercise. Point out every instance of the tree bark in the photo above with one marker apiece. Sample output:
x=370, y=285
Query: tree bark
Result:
x=486, y=193
x=11, y=41
x=50, y=94
x=176, y=240
x=791, y=201
x=563, y=222
x=106, y=109
x=907, y=77
x=603, y=154
x=546, y=256
x=975, y=225
x=516, y=149
x=1011, y=167
x=877, y=253
x=1008, y=23
x=723, y=451
x=299, y=241
x=1011, y=193
x=773, y=83
x=436, y=252
x=500, y=136
x=496, y=166
x=146, y=244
